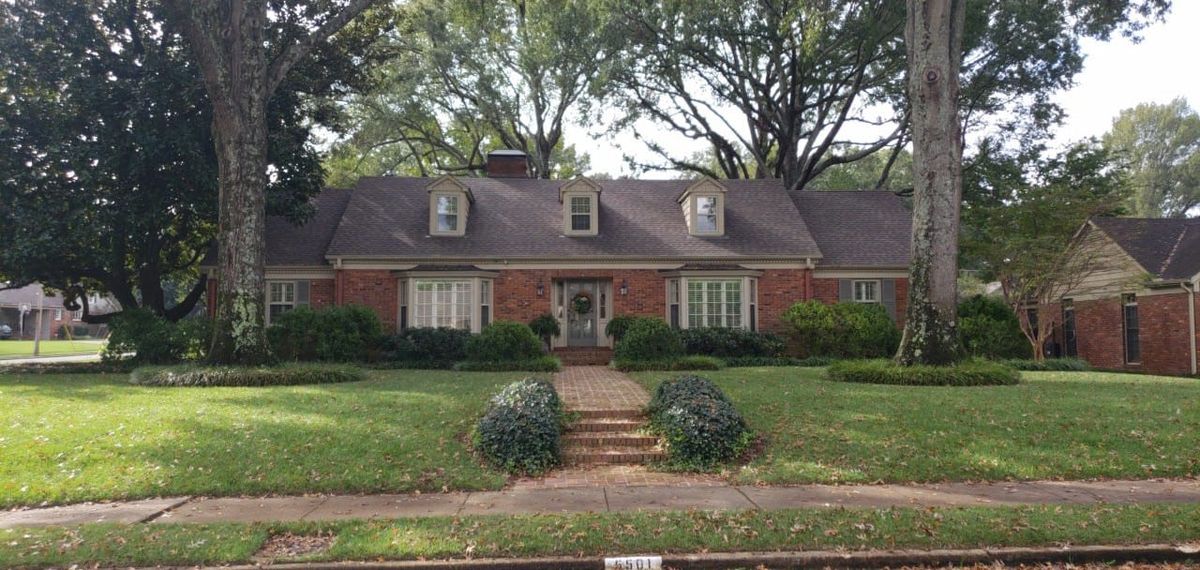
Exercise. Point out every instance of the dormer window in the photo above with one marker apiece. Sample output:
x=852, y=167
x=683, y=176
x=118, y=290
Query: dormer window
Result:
x=704, y=208
x=581, y=207
x=449, y=203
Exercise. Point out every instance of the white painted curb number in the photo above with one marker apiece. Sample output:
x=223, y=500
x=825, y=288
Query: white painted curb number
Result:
x=634, y=563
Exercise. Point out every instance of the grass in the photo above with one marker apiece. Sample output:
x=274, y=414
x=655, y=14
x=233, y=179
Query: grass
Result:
x=1053, y=425
x=24, y=348
x=610, y=534
x=70, y=438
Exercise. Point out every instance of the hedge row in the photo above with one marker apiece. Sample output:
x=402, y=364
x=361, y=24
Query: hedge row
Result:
x=1050, y=364
x=540, y=364
x=968, y=373
x=700, y=425
x=678, y=364
x=521, y=430
x=286, y=375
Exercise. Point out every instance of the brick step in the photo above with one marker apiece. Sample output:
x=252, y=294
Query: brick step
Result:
x=584, y=356
x=612, y=455
x=606, y=425
x=631, y=414
x=608, y=439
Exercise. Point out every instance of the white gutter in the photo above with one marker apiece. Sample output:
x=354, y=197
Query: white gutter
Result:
x=1191, y=320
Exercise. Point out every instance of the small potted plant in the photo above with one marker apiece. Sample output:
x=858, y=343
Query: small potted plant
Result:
x=546, y=327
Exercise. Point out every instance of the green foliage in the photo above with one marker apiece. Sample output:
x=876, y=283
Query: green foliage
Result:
x=619, y=325
x=649, y=339
x=989, y=329
x=1161, y=145
x=967, y=373
x=840, y=330
x=55, y=368
x=427, y=347
x=754, y=361
x=725, y=342
x=504, y=341
x=286, y=375
x=521, y=429
x=691, y=362
x=701, y=427
x=142, y=337
x=1049, y=365
x=546, y=327
x=543, y=363
x=333, y=334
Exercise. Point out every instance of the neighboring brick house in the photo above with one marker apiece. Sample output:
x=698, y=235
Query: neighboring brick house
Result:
x=1138, y=312
x=19, y=309
x=463, y=252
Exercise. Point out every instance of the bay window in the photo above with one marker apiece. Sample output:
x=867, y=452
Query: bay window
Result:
x=435, y=301
x=717, y=301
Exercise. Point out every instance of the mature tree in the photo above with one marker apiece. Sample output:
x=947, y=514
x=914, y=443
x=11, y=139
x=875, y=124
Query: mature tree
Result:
x=1162, y=145
x=790, y=88
x=472, y=76
x=108, y=179
x=877, y=171
x=1022, y=221
x=244, y=51
x=933, y=35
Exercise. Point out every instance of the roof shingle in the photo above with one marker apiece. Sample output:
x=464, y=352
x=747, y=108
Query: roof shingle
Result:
x=1167, y=248
x=866, y=228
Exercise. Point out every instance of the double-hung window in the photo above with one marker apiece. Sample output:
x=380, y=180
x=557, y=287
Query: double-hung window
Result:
x=1070, y=346
x=581, y=213
x=866, y=291
x=706, y=215
x=714, y=303
x=673, y=303
x=281, y=298
x=447, y=213
x=1133, y=343
x=442, y=303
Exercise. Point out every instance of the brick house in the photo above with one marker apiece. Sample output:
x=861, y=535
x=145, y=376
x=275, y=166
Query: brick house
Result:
x=1138, y=311
x=463, y=252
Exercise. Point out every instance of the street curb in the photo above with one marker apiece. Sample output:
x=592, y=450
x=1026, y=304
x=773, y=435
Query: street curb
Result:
x=809, y=559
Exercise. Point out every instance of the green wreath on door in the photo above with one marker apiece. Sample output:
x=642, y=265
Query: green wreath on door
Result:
x=582, y=303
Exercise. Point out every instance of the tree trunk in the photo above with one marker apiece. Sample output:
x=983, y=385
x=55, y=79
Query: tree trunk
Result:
x=934, y=41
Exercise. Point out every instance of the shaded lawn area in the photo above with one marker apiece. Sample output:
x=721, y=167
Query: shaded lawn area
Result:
x=24, y=348
x=1055, y=425
x=609, y=534
x=73, y=438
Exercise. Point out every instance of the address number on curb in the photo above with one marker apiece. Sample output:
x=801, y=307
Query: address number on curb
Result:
x=634, y=563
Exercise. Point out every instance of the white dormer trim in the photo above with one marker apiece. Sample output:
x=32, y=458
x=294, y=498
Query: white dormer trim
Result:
x=575, y=192
x=701, y=192
x=448, y=191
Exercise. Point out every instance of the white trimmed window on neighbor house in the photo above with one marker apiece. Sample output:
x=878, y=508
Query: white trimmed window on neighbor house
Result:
x=867, y=291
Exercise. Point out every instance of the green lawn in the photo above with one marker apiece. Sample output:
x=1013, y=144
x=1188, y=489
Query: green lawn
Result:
x=1053, y=426
x=611, y=534
x=24, y=348
x=73, y=438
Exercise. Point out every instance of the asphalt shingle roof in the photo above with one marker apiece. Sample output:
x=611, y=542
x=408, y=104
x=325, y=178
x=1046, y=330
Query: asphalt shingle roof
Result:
x=1167, y=248
x=864, y=228
x=304, y=245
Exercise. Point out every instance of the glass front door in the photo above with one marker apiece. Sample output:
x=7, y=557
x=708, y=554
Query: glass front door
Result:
x=582, y=307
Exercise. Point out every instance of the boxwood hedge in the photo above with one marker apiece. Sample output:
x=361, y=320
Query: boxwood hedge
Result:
x=521, y=430
x=1050, y=365
x=699, y=423
x=285, y=375
x=967, y=373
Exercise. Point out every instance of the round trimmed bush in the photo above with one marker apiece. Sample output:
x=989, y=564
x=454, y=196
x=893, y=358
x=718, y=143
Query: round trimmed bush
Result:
x=504, y=341
x=669, y=392
x=968, y=373
x=649, y=339
x=840, y=330
x=285, y=375
x=521, y=429
x=701, y=426
x=989, y=329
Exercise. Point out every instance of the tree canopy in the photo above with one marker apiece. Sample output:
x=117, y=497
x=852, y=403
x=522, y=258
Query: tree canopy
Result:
x=1161, y=144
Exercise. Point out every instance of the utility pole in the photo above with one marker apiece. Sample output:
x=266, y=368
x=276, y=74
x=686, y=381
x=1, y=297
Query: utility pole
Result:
x=37, y=333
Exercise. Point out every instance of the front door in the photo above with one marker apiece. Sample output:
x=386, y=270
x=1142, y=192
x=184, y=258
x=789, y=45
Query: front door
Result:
x=582, y=308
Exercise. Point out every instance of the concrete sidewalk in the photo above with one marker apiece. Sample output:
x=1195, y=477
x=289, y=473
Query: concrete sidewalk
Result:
x=606, y=499
x=95, y=357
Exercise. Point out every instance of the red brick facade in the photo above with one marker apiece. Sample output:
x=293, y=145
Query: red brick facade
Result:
x=1163, y=334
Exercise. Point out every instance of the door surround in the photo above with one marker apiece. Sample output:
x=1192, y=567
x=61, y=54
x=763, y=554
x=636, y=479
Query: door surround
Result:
x=587, y=329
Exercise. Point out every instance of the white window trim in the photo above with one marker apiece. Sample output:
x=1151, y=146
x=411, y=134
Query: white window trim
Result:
x=58, y=314
x=719, y=205
x=748, y=306
x=705, y=188
x=878, y=291
x=436, y=214
x=448, y=186
x=292, y=304
x=409, y=290
x=594, y=211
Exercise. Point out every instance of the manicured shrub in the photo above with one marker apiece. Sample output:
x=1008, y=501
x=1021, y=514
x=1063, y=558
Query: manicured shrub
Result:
x=521, y=429
x=700, y=425
x=968, y=373
x=1050, y=365
x=427, y=347
x=109, y=367
x=618, y=325
x=285, y=375
x=335, y=334
x=724, y=342
x=693, y=362
x=544, y=363
x=142, y=337
x=546, y=328
x=840, y=330
x=504, y=341
x=753, y=361
x=649, y=339
x=989, y=329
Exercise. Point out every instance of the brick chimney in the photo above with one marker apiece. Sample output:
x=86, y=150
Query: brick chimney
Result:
x=507, y=164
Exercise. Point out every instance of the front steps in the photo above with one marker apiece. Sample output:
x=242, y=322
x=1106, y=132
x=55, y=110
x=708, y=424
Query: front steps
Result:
x=584, y=355
x=610, y=437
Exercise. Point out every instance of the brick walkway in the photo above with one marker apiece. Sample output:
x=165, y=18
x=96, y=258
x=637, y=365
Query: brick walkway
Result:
x=598, y=388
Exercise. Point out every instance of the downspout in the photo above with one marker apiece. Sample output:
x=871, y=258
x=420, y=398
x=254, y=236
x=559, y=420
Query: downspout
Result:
x=1191, y=291
x=338, y=278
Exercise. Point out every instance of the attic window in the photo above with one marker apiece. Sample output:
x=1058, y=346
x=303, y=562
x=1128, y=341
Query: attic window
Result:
x=449, y=205
x=706, y=214
x=581, y=207
x=581, y=213
x=447, y=213
x=704, y=208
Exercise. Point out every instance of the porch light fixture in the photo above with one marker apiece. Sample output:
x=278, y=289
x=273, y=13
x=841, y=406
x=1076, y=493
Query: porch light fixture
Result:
x=624, y=287
x=541, y=289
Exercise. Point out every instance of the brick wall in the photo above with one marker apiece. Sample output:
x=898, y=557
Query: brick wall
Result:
x=515, y=291
x=375, y=289
x=827, y=291
x=1163, y=321
x=320, y=293
x=778, y=289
